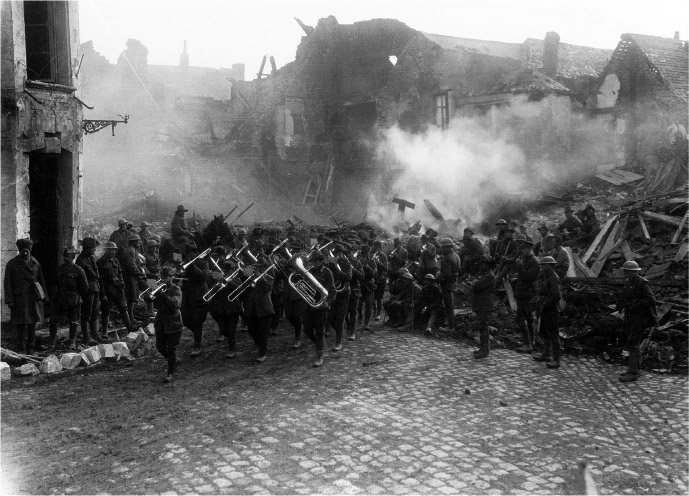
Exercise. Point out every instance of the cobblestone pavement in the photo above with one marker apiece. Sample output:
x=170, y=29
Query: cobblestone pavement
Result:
x=390, y=414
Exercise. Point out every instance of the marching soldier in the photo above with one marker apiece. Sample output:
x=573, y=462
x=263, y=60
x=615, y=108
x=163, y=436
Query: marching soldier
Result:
x=547, y=297
x=342, y=275
x=90, y=308
x=314, y=319
x=527, y=269
x=355, y=293
x=381, y=262
x=194, y=309
x=258, y=309
x=368, y=286
x=639, y=305
x=502, y=226
x=168, y=322
x=226, y=313
x=71, y=286
x=294, y=304
x=23, y=278
x=505, y=253
x=151, y=267
x=240, y=239
x=112, y=287
x=483, y=305
x=255, y=236
x=449, y=274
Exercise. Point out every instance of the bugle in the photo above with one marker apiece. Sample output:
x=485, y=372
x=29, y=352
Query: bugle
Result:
x=248, y=283
x=308, y=288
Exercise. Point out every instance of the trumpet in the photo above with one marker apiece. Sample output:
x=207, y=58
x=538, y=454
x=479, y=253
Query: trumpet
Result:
x=307, y=286
x=204, y=253
x=250, y=282
x=222, y=284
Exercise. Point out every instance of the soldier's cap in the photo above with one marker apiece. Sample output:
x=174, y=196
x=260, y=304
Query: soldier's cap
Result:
x=316, y=255
x=631, y=265
x=407, y=275
x=89, y=242
x=568, y=209
x=121, y=222
x=134, y=237
x=429, y=277
x=550, y=235
x=468, y=230
x=501, y=222
x=24, y=243
x=180, y=208
x=589, y=208
x=338, y=247
x=70, y=250
x=167, y=271
x=151, y=242
x=191, y=245
x=241, y=231
x=547, y=260
x=144, y=224
x=543, y=227
x=109, y=245
x=446, y=242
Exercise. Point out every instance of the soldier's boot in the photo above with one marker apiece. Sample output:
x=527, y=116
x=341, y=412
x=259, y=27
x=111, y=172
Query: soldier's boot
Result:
x=52, y=340
x=95, y=331
x=484, y=343
x=124, y=315
x=556, y=349
x=633, y=362
x=526, y=337
x=86, y=338
x=30, y=338
x=73, y=334
x=21, y=338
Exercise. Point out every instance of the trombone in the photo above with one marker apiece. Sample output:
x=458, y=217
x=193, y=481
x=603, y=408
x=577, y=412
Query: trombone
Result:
x=317, y=247
x=152, y=293
x=204, y=253
x=249, y=282
x=222, y=284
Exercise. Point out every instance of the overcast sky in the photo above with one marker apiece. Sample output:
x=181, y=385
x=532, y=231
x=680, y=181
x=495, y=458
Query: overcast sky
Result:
x=220, y=33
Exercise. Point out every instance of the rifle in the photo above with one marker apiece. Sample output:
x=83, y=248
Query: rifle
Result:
x=646, y=342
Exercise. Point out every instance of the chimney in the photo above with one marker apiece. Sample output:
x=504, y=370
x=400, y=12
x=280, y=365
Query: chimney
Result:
x=184, y=57
x=677, y=35
x=550, y=54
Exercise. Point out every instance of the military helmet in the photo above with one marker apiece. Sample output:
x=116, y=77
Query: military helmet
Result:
x=241, y=231
x=589, y=208
x=429, y=277
x=144, y=224
x=407, y=275
x=631, y=265
x=468, y=230
x=547, y=260
x=121, y=222
x=501, y=222
x=134, y=237
x=109, y=245
x=446, y=242
x=70, y=250
x=152, y=242
x=89, y=242
x=519, y=237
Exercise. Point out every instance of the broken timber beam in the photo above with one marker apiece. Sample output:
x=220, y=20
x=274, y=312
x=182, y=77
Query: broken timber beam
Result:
x=402, y=205
x=434, y=211
x=643, y=227
x=608, y=247
x=599, y=238
x=666, y=219
x=510, y=295
x=627, y=251
x=682, y=251
x=582, y=266
x=675, y=238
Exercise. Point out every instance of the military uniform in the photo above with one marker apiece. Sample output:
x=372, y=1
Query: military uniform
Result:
x=572, y=225
x=71, y=286
x=548, y=294
x=639, y=305
x=226, y=314
x=134, y=278
x=561, y=261
x=368, y=286
x=168, y=324
x=431, y=304
x=354, y=295
x=90, y=308
x=447, y=279
x=258, y=309
x=314, y=319
x=181, y=235
x=483, y=305
x=112, y=291
x=342, y=276
x=194, y=309
x=527, y=270
x=469, y=254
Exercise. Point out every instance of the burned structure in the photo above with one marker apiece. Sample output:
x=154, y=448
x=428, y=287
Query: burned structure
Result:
x=41, y=129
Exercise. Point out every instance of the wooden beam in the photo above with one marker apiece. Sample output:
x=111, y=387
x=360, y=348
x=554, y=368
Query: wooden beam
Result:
x=510, y=295
x=675, y=238
x=604, y=254
x=582, y=266
x=627, y=251
x=643, y=226
x=571, y=270
x=599, y=238
x=666, y=219
x=682, y=251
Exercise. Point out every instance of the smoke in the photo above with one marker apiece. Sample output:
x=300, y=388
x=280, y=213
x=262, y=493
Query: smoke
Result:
x=478, y=164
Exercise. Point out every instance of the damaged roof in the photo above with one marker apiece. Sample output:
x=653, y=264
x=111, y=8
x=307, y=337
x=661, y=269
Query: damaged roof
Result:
x=668, y=55
x=527, y=81
x=573, y=60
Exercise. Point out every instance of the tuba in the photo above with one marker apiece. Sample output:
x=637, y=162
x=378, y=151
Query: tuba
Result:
x=308, y=288
x=281, y=256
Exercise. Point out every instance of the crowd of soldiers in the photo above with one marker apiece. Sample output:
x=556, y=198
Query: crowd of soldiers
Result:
x=348, y=278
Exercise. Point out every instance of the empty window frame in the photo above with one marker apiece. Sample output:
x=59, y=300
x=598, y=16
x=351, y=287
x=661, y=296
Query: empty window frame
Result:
x=47, y=42
x=442, y=110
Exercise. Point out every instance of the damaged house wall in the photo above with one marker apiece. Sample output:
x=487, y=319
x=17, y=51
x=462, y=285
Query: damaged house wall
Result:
x=41, y=129
x=644, y=91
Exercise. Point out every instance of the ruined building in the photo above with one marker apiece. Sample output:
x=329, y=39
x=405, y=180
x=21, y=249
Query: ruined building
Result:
x=41, y=129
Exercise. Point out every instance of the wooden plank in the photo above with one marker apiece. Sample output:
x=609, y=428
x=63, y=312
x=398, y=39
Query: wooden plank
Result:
x=682, y=251
x=627, y=251
x=662, y=310
x=510, y=295
x=643, y=227
x=582, y=266
x=616, y=180
x=666, y=219
x=627, y=177
x=571, y=271
x=675, y=238
x=599, y=238
x=600, y=261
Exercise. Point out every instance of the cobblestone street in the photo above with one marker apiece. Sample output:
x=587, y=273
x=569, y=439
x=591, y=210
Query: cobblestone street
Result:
x=390, y=414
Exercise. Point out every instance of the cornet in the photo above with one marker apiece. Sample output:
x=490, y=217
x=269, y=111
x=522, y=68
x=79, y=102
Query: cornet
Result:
x=307, y=286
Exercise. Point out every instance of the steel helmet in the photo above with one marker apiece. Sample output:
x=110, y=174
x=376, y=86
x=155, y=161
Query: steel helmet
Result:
x=134, y=237
x=631, y=265
x=109, y=245
x=547, y=260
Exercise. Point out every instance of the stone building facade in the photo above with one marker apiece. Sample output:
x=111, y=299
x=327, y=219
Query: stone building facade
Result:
x=41, y=129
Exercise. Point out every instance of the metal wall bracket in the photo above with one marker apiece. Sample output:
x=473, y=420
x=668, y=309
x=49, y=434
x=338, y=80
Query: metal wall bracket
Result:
x=93, y=126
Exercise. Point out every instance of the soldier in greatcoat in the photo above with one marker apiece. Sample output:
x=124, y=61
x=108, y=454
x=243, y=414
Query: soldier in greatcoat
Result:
x=23, y=276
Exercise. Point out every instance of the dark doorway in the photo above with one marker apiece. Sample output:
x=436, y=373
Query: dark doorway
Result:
x=50, y=208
